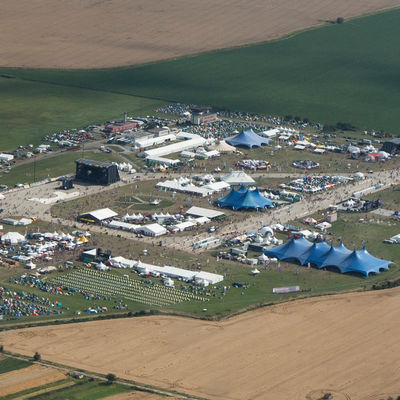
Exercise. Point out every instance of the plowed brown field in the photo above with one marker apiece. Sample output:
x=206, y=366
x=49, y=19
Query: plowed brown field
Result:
x=346, y=344
x=108, y=33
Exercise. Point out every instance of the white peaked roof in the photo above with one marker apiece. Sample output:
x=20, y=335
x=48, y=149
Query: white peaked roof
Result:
x=13, y=237
x=154, y=229
x=238, y=178
x=103, y=213
x=204, y=212
x=224, y=147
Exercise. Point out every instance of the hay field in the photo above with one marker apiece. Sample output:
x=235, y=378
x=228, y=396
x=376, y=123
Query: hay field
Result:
x=28, y=378
x=344, y=344
x=98, y=33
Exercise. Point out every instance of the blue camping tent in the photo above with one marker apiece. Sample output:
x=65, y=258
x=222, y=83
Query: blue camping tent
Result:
x=363, y=262
x=244, y=199
x=316, y=254
x=247, y=138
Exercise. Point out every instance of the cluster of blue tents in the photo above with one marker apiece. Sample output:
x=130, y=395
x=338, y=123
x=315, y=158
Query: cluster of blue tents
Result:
x=323, y=255
x=248, y=139
x=245, y=199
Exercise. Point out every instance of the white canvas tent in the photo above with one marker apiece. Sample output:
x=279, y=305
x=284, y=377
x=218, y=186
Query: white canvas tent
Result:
x=224, y=147
x=12, y=238
x=238, y=178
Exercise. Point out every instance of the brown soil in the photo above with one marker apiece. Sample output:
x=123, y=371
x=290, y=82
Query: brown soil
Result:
x=108, y=33
x=27, y=378
x=345, y=344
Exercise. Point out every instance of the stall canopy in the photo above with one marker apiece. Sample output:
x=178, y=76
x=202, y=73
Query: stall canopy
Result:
x=248, y=139
x=244, y=199
x=322, y=255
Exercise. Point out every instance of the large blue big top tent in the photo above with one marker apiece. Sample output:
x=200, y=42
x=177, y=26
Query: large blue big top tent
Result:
x=244, y=199
x=248, y=139
x=316, y=254
x=290, y=250
x=322, y=255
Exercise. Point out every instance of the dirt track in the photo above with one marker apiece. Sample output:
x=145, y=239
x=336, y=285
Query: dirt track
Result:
x=346, y=344
x=101, y=33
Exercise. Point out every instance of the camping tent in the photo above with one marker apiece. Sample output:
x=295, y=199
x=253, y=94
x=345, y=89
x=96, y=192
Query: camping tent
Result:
x=248, y=139
x=244, y=199
x=238, y=178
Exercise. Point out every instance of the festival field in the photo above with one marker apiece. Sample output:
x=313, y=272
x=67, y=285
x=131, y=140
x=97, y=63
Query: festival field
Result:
x=342, y=344
x=96, y=34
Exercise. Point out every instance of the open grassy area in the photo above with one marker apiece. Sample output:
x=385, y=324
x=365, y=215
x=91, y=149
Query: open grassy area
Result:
x=61, y=164
x=345, y=72
x=11, y=364
x=30, y=110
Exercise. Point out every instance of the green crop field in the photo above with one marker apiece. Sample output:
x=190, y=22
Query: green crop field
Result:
x=84, y=391
x=11, y=364
x=346, y=72
x=30, y=110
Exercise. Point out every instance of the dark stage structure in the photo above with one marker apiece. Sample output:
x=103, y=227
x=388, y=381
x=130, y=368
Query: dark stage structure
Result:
x=96, y=172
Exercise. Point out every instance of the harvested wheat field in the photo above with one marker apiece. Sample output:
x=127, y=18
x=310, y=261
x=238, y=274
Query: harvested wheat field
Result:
x=28, y=378
x=96, y=33
x=345, y=344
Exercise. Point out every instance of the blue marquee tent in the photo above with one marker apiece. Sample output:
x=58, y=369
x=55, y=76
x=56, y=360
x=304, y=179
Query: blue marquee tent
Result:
x=322, y=255
x=315, y=254
x=244, y=199
x=335, y=256
x=363, y=262
x=248, y=139
x=294, y=250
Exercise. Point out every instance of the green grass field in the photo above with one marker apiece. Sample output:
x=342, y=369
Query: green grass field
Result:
x=345, y=72
x=11, y=364
x=51, y=167
x=30, y=110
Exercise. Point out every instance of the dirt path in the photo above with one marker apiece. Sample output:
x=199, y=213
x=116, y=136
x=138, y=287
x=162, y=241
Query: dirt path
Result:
x=346, y=344
x=95, y=34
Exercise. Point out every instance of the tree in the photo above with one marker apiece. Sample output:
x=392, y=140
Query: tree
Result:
x=1, y=348
x=111, y=378
x=339, y=20
x=37, y=356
